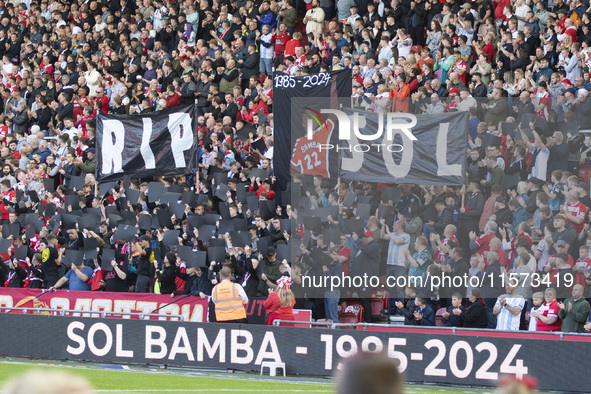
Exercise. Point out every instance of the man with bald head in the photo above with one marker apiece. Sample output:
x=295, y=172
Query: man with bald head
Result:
x=574, y=311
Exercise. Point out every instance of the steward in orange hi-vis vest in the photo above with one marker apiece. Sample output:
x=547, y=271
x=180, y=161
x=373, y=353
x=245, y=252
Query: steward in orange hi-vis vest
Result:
x=229, y=299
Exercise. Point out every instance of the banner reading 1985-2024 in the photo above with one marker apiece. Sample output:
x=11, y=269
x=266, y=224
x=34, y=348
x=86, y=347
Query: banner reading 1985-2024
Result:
x=469, y=358
x=152, y=144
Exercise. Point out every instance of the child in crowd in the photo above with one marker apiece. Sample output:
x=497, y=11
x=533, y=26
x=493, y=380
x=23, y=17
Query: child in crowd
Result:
x=537, y=300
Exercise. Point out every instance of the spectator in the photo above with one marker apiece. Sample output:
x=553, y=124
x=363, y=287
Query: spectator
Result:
x=475, y=315
x=547, y=313
x=279, y=304
x=229, y=299
x=508, y=309
x=451, y=316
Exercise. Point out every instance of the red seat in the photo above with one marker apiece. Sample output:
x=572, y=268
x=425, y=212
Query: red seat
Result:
x=348, y=318
x=416, y=49
x=376, y=307
x=439, y=317
x=383, y=295
x=352, y=301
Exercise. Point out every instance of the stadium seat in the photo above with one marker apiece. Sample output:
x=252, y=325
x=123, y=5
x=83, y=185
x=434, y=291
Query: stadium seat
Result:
x=439, y=317
x=352, y=301
x=273, y=366
x=383, y=295
x=348, y=318
x=376, y=308
x=416, y=49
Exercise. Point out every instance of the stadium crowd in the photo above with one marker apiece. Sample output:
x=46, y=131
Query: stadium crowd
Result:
x=521, y=70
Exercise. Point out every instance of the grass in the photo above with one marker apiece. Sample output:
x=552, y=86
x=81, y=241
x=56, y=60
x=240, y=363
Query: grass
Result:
x=118, y=379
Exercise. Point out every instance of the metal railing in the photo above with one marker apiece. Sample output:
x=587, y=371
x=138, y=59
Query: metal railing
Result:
x=103, y=314
x=394, y=327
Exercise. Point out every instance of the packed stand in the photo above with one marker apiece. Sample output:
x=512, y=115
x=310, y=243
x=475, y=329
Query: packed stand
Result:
x=521, y=71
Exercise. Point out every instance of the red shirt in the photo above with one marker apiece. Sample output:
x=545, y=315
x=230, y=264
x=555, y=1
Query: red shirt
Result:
x=291, y=46
x=489, y=49
x=461, y=66
x=281, y=41
x=10, y=195
x=173, y=101
x=549, y=310
x=579, y=210
x=104, y=103
x=345, y=252
x=275, y=311
x=582, y=265
x=483, y=243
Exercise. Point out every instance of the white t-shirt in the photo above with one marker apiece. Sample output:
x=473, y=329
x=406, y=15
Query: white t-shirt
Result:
x=507, y=320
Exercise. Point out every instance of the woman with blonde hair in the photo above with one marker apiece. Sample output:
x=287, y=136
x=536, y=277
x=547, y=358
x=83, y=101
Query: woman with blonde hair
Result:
x=411, y=62
x=279, y=304
x=380, y=101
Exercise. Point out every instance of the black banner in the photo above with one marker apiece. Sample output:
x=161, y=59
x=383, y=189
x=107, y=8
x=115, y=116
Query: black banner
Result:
x=297, y=100
x=152, y=144
x=462, y=357
x=380, y=147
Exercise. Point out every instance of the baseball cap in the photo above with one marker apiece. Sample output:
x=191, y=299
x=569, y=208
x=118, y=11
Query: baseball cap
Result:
x=454, y=90
x=466, y=6
x=500, y=199
x=368, y=233
x=571, y=91
x=560, y=243
x=270, y=251
x=90, y=150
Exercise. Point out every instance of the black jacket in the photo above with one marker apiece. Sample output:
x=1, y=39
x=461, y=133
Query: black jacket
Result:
x=474, y=316
x=166, y=278
x=368, y=261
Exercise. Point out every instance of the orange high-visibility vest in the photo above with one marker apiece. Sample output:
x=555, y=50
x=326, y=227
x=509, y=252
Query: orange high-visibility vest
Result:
x=228, y=304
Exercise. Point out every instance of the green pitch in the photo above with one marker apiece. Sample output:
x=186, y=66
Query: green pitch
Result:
x=117, y=379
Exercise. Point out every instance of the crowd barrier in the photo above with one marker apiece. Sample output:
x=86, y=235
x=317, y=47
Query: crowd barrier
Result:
x=126, y=305
x=443, y=356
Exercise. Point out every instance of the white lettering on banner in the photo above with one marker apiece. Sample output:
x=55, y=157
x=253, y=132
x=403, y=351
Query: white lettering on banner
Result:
x=444, y=169
x=155, y=342
x=112, y=152
x=76, y=351
x=100, y=352
x=82, y=304
x=145, y=150
x=218, y=346
x=119, y=352
x=176, y=348
x=392, y=353
x=180, y=127
x=273, y=354
x=378, y=346
x=402, y=169
x=245, y=346
x=59, y=303
x=351, y=348
x=181, y=134
x=124, y=306
x=146, y=306
x=103, y=305
x=169, y=310
x=6, y=301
